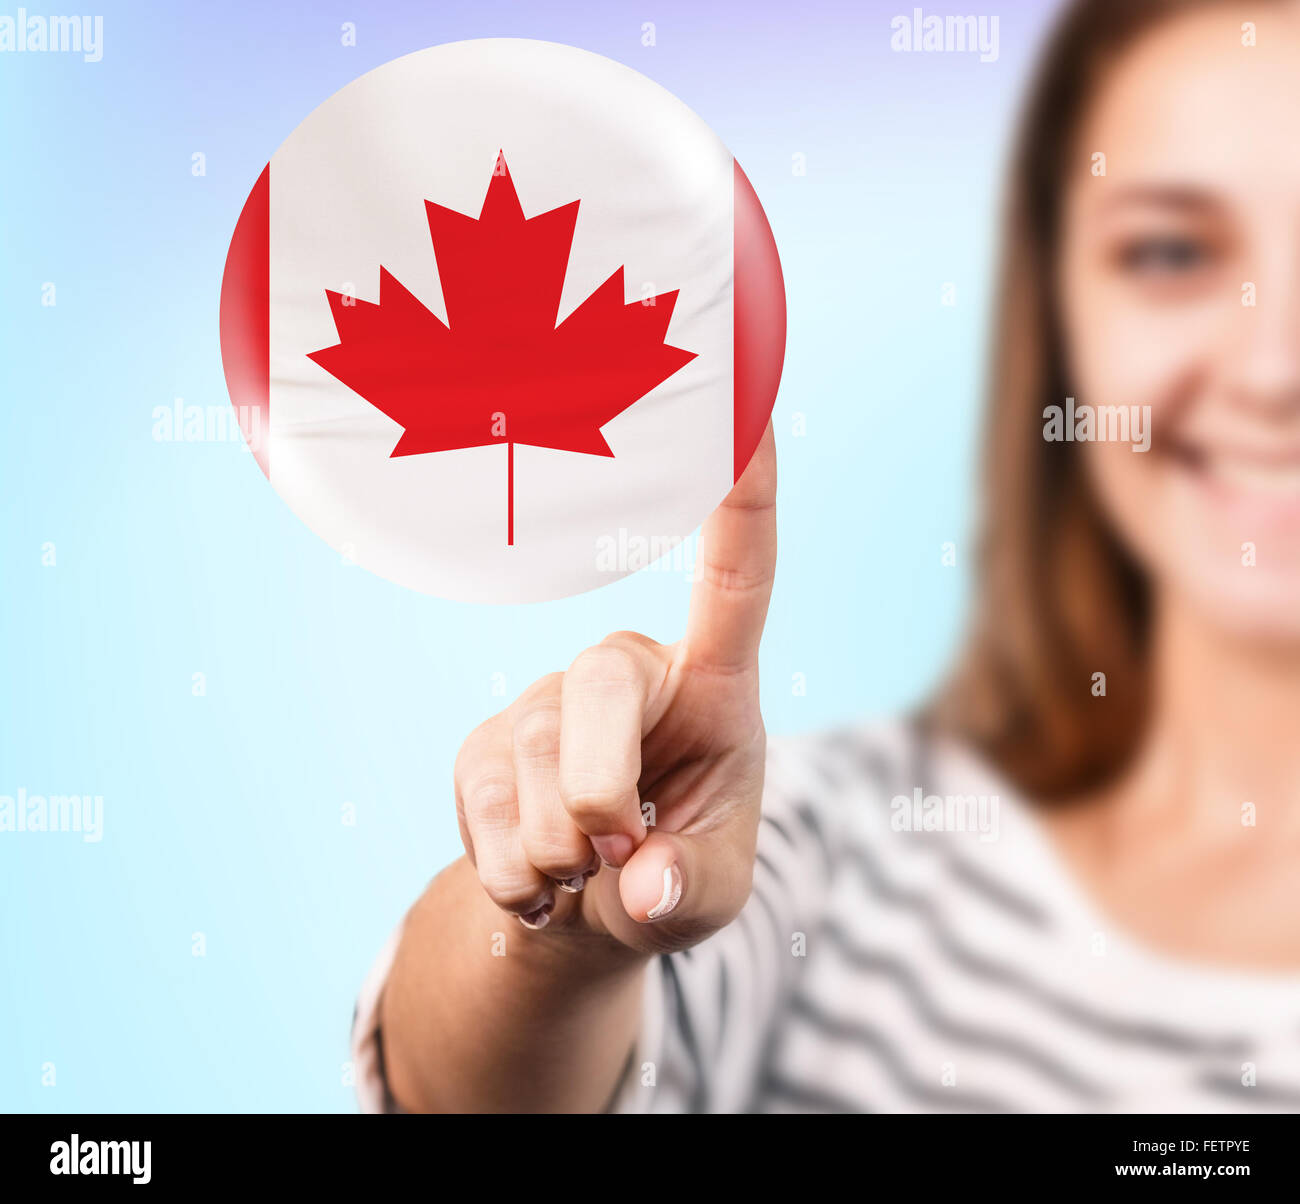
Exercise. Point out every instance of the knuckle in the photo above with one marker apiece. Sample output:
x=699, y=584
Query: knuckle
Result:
x=592, y=798
x=490, y=797
x=606, y=668
x=555, y=854
x=513, y=887
x=483, y=737
x=733, y=580
x=632, y=641
x=537, y=732
x=543, y=687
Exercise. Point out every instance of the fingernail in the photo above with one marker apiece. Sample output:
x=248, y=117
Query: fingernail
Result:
x=614, y=850
x=571, y=886
x=536, y=919
x=672, y=893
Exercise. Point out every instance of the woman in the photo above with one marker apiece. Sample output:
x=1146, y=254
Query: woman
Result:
x=1070, y=884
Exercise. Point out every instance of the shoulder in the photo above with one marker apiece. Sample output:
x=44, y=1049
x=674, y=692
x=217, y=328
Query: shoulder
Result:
x=887, y=783
x=849, y=763
x=829, y=784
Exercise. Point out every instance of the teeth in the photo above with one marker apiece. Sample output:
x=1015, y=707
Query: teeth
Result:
x=1279, y=480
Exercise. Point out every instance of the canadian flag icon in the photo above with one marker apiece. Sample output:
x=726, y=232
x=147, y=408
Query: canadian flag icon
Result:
x=497, y=308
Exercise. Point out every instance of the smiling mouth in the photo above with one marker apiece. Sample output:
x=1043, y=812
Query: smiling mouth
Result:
x=1244, y=474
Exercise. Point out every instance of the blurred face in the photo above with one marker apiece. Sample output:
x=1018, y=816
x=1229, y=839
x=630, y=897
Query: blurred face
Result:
x=1180, y=298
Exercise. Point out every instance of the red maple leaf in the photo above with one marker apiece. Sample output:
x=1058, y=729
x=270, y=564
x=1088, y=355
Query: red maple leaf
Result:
x=501, y=370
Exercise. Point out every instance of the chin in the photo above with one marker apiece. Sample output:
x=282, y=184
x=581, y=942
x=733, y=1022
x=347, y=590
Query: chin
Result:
x=1252, y=604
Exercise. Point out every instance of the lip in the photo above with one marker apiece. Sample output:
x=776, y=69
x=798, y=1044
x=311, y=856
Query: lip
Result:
x=1255, y=485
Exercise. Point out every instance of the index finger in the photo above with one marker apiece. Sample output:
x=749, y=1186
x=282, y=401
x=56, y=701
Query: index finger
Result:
x=736, y=565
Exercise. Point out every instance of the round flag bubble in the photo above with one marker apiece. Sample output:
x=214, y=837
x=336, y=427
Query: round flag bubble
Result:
x=502, y=321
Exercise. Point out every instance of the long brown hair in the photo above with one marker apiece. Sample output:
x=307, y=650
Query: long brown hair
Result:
x=1059, y=600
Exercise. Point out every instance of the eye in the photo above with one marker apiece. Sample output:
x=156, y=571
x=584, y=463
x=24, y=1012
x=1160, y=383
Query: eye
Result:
x=1163, y=255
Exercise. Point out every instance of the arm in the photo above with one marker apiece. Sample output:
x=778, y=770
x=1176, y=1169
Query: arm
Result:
x=481, y=1014
x=609, y=814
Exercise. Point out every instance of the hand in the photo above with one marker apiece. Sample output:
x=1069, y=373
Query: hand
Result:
x=622, y=797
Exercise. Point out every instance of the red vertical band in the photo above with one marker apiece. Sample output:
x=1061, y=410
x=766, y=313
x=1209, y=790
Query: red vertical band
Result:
x=758, y=301
x=246, y=320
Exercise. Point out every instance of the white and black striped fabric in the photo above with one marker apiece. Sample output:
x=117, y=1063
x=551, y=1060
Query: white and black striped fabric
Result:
x=876, y=968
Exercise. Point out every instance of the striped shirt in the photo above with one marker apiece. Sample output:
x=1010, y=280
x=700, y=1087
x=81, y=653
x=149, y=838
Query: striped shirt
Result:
x=913, y=944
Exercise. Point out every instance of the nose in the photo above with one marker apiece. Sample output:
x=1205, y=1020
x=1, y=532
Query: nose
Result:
x=1265, y=374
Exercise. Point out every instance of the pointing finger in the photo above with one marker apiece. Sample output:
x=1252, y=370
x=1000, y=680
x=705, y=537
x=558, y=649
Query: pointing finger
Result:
x=737, y=562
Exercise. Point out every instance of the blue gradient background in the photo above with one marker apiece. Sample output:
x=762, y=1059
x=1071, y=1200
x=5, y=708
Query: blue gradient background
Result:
x=325, y=685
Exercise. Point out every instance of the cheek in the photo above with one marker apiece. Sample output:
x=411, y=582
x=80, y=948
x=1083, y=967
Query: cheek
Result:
x=1120, y=353
x=1124, y=350
x=1188, y=551
x=1130, y=489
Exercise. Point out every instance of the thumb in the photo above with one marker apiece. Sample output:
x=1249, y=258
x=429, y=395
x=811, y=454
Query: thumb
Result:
x=702, y=880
